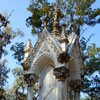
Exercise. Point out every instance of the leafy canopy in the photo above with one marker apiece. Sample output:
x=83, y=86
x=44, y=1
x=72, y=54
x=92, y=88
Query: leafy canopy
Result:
x=78, y=11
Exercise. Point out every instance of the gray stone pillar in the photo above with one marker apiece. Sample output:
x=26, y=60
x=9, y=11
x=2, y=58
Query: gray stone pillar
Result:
x=30, y=92
x=61, y=73
x=30, y=80
x=77, y=95
x=75, y=85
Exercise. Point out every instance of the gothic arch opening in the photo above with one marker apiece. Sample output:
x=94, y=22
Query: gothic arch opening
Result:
x=43, y=67
x=47, y=83
x=42, y=61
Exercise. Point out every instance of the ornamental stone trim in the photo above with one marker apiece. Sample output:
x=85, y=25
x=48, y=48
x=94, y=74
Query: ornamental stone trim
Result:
x=63, y=38
x=63, y=57
x=30, y=79
x=34, y=51
x=52, y=45
x=61, y=73
x=56, y=15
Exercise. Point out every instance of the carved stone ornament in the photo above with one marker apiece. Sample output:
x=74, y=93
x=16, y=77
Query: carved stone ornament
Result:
x=63, y=57
x=52, y=45
x=28, y=46
x=75, y=85
x=27, y=63
x=25, y=66
x=56, y=15
x=30, y=78
x=45, y=20
x=61, y=73
x=63, y=37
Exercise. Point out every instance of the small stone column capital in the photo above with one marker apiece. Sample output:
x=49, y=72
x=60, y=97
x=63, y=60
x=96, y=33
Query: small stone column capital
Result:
x=30, y=79
x=63, y=57
x=61, y=73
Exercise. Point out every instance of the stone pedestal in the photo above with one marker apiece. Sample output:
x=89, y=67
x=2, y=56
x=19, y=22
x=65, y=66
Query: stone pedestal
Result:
x=61, y=73
x=30, y=80
x=75, y=85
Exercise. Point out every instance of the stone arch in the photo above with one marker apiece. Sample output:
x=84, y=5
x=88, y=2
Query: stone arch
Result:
x=40, y=63
x=43, y=67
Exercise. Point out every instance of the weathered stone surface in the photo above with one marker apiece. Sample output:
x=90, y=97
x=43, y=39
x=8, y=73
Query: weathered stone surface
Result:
x=48, y=85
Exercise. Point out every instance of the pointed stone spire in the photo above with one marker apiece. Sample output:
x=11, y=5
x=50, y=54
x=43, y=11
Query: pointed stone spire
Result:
x=27, y=49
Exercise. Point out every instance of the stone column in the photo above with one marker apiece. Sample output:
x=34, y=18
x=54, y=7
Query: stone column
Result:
x=75, y=85
x=77, y=95
x=61, y=73
x=30, y=92
x=30, y=80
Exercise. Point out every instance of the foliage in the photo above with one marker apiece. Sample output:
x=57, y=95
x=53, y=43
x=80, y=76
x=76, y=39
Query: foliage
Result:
x=4, y=38
x=4, y=95
x=91, y=82
x=78, y=11
x=6, y=35
x=18, y=89
x=3, y=41
x=18, y=51
x=39, y=8
x=3, y=74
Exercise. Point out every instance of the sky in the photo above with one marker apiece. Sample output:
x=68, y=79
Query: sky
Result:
x=17, y=20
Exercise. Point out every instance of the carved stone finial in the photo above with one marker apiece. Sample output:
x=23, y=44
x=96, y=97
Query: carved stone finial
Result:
x=64, y=28
x=56, y=15
x=30, y=79
x=63, y=38
x=28, y=46
x=45, y=20
x=27, y=49
x=61, y=73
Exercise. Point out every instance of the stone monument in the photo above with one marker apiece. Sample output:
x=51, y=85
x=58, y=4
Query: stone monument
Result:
x=55, y=62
